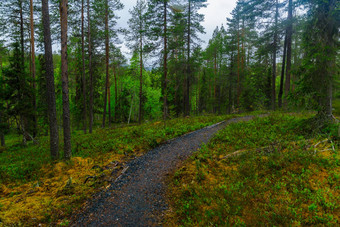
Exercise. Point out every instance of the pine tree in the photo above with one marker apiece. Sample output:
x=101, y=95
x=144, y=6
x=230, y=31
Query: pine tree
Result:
x=158, y=12
x=194, y=27
x=50, y=90
x=111, y=17
x=33, y=69
x=137, y=38
x=83, y=64
x=64, y=76
x=90, y=66
x=321, y=47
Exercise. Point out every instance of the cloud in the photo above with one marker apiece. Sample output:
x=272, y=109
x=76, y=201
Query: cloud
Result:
x=215, y=14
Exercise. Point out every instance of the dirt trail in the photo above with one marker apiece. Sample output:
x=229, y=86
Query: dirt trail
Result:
x=137, y=197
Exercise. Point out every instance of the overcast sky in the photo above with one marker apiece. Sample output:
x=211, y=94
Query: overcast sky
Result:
x=215, y=15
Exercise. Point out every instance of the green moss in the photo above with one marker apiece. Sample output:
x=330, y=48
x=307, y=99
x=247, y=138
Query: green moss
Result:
x=279, y=181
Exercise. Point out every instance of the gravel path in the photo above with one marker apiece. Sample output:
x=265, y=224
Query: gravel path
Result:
x=137, y=197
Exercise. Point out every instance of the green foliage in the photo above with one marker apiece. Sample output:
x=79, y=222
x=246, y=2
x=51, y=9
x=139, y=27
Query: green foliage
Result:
x=279, y=181
x=18, y=163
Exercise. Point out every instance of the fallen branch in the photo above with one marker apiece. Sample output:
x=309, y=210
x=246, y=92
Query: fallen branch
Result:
x=123, y=171
x=268, y=149
x=90, y=177
x=323, y=141
x=236, y=153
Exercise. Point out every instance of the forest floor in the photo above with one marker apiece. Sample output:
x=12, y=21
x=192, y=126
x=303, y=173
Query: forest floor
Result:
x=273, y=171
x=137, y=197
x=34, y=190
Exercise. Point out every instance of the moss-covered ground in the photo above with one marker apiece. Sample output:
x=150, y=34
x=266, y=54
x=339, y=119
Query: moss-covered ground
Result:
x=33, y=190
x=283, y=175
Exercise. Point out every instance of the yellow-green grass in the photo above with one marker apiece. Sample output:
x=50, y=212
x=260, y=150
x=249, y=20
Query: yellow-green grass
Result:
x=282, y=176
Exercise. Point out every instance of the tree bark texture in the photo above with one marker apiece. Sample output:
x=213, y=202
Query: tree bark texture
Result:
x=116, y=93
x=83, y=65
x=289, y=50
x=282, y=72
x=90, y=68
x=274, y=56
x=64, y=79
x=140, y=73
x=187, y=92
x=33, y=69
x=106, y=59
x=50, y=90
x=165, y=66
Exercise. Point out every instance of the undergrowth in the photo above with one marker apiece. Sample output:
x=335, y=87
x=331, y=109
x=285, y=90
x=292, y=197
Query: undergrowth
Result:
x=282, y=176
x=34, y=190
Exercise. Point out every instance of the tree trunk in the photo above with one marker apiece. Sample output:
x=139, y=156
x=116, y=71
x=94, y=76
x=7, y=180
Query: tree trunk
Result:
x=83, y=66
x=50, y=91
x=187, y=92
x=33, y=69
x=329, y=44
x=22, y=38
x=116, y=93
x=90, y=68
x=238, y=67
x=198, y=94
x=140, y=70
x=109, y=101
x=22, y=45
x=215, y=84
x=64, y=78
x=282, y=72
x=274, y=56
x=165, y=66
x=130, y=109
x=289, y=50
x=106, y=58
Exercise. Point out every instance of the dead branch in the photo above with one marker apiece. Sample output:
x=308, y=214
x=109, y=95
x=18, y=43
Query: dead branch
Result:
x=90, y=177
x=123, y=171
x=268, y=149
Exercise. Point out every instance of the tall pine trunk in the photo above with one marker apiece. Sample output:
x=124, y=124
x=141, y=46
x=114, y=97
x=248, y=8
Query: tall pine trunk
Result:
x=109, y=101
x=106, y=59
x=33, y=69
x=215, y=81
x=90, y=68
x=238, y=66
x=50, y=91
x=23, y=118
x=289, y=50
x=116, y=92
x=140, y=74
x=83, y=66
x=282, y=72
x=165, y=66
x=187, y=92
x=274, y=55
x=64, y=79
x=327, y=29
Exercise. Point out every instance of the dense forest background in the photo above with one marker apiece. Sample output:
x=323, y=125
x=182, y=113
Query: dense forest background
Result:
x=270, y=55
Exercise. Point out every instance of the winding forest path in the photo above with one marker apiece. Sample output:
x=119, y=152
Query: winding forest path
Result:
x=137, y=197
